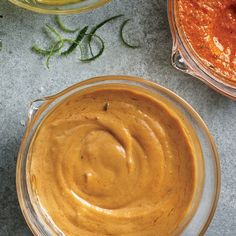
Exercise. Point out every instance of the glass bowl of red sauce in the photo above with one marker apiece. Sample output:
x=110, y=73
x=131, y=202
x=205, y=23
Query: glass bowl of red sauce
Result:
x=204, y=41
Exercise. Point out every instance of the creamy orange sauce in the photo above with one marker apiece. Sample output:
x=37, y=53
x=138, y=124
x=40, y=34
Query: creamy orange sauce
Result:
x=114, y=160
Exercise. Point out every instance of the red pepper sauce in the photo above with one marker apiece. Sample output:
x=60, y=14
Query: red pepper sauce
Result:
x=210, y=28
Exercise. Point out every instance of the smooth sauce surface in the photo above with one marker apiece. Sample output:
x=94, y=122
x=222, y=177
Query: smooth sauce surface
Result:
x=113, y=161
x=210, y=28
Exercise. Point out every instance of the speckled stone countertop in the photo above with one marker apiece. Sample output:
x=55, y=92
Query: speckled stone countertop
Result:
x=23, y=78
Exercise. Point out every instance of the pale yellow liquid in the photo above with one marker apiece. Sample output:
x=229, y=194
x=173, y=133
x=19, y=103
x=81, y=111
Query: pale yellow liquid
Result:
x=58, y=2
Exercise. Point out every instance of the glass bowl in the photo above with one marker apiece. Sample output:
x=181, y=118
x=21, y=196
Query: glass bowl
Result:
x=207, y=167
x=72, y=8
x=184, y=58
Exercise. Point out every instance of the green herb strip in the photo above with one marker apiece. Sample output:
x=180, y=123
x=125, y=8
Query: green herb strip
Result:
x=94, y=29
x=44, y=52
x=56, y=47
x=122, y=35
x=53, y=50
x=99, y=53
x=63, y=27
x=78, y=39
x=54, y=31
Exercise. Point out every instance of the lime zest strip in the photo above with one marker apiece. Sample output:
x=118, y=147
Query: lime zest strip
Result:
x=63, y=27
x=95, y=28
x=122, y=35
x=100, y=52
x=78, y=39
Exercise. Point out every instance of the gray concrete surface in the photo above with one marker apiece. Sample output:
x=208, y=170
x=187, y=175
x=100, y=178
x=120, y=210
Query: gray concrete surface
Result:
x=23, y=78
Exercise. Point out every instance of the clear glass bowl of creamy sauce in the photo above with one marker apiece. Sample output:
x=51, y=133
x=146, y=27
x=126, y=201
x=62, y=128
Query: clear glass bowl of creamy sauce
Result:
x=59, y=6
x=117, y=155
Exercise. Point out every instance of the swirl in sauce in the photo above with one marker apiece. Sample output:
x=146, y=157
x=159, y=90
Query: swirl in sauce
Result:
x=114, y=161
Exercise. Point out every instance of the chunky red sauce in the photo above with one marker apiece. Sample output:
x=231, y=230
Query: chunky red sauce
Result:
x=210, y=28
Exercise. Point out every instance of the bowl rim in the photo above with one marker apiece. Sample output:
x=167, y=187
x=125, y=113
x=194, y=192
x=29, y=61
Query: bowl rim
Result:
x=26, y=6
x=140, y=80
x=191, y=59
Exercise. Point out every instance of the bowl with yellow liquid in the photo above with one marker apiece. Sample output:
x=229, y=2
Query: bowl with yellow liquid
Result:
x=59, y=6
